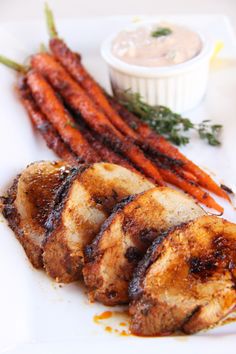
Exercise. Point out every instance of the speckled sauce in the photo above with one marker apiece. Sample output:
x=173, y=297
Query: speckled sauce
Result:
x=139, y=47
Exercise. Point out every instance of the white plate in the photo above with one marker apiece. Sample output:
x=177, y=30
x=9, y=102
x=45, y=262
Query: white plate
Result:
x=36, y=315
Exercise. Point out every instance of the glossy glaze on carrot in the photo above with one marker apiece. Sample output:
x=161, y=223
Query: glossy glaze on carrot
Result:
x=191, y=188
x=72, y=63
x=44, y=127
x=55, y=112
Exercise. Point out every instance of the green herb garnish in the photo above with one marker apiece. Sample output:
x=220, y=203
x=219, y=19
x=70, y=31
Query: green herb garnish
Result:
x=209, y=132
x=161, y=31
x=169, y=124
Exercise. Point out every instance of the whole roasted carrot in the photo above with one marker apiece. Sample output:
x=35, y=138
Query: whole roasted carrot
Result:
x=191, y=188
x=55, y=112
x=72, y=63
x=79, y=101
x=161, y=144
x=40, y=122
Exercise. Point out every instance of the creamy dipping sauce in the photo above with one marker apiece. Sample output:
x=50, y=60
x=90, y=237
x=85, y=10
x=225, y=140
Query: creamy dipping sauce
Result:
x=139, y=46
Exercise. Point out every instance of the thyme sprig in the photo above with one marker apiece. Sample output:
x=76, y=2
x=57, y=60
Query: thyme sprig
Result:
x=169, y=124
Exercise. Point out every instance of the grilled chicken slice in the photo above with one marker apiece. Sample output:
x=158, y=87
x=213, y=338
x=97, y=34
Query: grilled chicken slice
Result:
x=28, y=202
x=187, y=280
x=82, y=204
x=126, y=235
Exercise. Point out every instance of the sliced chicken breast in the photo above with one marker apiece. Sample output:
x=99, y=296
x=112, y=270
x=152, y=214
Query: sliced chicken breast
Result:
x=28, y=202
x=84, y=201
x=126, y=235
x=187, y=280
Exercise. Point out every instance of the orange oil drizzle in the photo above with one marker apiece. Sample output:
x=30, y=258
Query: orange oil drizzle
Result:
x=124, y=333
x=103, y=316
x=123, y=324
x=108, y=329
x=101, y=319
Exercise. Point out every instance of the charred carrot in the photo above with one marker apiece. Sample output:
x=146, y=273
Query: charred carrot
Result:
x=203, y=178
x=53, y=140
x=72, y=63
x=80, y=102
x=55, y=112
x=191, y=188
x=161, y=144
x=186, y=174
x=106, y=154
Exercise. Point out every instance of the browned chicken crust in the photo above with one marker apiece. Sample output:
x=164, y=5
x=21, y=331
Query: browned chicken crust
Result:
x=82, y=204
x=28, y=203
x=187, y=279
x=126, y=235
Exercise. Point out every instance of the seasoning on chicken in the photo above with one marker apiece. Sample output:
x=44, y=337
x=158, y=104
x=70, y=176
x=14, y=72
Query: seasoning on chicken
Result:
x=186, y=280
x=84, y=201
x=28, y=204
x=125, y=237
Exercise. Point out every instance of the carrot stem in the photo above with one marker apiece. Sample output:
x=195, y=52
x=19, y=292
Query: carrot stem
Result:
x=13, y=64
x=52, y=31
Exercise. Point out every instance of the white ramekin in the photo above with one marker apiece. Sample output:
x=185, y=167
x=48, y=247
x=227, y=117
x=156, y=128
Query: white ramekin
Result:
x=180, y=87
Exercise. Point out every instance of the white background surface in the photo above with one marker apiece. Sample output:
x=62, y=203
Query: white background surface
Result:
x=32, y=9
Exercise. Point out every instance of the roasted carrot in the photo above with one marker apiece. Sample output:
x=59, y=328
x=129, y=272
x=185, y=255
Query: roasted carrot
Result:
x=72, y=63
x=79, y=101
x=191, y=188
x=55, y=142
x=106, y=154
x=40, y=122
x=161, y=144
x=53, y=139
x=64, y=152
x=55, y=112
x=203, y=178
x=185, y=174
